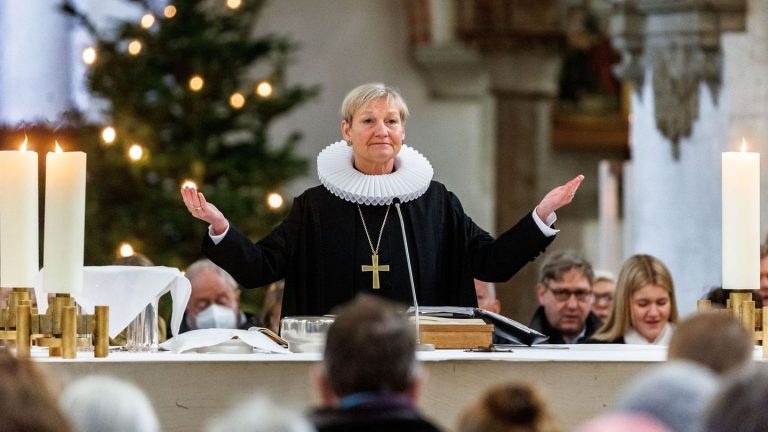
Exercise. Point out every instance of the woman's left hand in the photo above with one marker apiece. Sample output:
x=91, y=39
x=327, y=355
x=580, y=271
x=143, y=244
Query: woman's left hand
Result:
x=558, y=197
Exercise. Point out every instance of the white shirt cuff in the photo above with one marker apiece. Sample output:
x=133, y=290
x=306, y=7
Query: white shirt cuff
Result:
x=545, y=227
x=218, y=238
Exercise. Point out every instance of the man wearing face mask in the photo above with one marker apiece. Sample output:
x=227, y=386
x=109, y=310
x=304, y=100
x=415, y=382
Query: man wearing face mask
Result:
x=215, y=299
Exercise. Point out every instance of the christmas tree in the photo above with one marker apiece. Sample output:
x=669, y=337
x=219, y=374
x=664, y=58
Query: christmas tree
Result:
x=190, y=96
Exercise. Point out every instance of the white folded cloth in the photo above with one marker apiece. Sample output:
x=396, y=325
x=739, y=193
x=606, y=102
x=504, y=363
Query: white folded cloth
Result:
x=213, y=337
x=127, y=290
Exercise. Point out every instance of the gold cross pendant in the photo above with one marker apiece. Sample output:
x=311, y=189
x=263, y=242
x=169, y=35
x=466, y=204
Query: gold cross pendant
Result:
x=375, y=268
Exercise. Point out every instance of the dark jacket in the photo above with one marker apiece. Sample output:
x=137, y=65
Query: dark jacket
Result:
x=540, y=323
x=385, y=414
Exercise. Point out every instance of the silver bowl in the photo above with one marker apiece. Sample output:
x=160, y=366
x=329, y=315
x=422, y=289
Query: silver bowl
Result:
x=305, y=333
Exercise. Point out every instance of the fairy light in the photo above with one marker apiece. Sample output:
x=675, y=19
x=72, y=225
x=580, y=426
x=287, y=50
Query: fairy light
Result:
x=135, y=152
x=196, y=83
x=169, y=11
x=134, y=47
x=108, y=135
x=275, y=200
x=147, y=20
x=237, y=100
x=234, y=4
x=264, y=89
x=125, y=249
x=189, y=184
x=89, y=55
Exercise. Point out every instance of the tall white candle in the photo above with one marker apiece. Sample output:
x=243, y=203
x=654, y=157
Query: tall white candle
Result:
x=741, y=220
x=64, y=231
x=19, y=256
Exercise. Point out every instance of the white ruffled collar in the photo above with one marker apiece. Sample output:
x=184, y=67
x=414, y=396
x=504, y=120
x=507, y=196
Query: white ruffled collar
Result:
x=411, y=178
x=633, y=337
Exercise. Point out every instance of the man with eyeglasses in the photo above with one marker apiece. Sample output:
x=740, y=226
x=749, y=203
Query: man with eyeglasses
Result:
x=565, y=297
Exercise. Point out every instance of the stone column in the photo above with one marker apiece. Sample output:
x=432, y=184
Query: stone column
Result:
x=672, y=53
x=520, y=42
x=35, y=59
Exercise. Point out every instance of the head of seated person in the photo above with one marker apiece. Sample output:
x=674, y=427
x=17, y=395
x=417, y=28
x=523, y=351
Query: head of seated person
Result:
x=509, y=407
x=260, y=414
x=718, y=298
x=564, y=292
x=215, y=298
x=645, y=309
x=134, y=259
x=604, y=290
x=370, y=349
x=100, y=403
x=27, y=400
x=713, y=339
x=739, y=405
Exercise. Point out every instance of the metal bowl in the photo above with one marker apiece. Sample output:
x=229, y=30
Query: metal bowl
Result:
x=305, y=333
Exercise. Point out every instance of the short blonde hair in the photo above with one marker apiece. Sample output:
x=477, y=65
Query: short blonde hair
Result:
x=637, y=272
x=363, y=95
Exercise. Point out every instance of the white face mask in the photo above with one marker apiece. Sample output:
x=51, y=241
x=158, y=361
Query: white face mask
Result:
x=216, y=316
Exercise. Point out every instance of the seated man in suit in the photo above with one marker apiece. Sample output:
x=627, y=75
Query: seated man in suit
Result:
x=565, y=297
x=370, y=378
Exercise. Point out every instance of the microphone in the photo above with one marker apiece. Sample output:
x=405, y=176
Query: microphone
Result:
x=419, y=346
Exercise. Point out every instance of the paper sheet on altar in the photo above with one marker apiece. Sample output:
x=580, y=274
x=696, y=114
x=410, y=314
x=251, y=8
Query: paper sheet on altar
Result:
x=206, y=338
x=127, y=290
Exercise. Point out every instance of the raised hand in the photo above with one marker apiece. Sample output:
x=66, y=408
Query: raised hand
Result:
x=558, y=197
x=203, y=210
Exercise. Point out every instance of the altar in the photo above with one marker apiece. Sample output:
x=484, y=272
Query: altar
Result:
x=579, y=381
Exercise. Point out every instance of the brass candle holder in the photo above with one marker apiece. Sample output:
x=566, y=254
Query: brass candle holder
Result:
x=63, y=328
x=741, y=306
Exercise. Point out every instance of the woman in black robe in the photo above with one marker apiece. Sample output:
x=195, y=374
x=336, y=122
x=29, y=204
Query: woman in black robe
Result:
x=345, y=236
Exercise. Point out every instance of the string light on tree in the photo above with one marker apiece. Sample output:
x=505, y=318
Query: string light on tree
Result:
x=108, y=135
x=234, y=4
x=89, y=55
x=135, y=152
x=134, y=47
x=169, y=11
x=147, y=20
x=275, y=200
x=237, y=100
x=196, y=83
x=125, y=250
x=189, y=184
x=264, y=89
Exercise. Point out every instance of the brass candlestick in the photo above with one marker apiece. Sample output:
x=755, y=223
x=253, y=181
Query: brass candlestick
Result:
x=57, y=329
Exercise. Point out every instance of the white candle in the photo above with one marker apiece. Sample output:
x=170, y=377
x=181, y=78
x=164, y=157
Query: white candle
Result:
x=741, y=220
x=64, y=231
x=19, y=256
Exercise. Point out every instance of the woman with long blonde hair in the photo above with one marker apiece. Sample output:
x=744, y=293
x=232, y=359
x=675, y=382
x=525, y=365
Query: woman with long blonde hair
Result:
x=644, y=311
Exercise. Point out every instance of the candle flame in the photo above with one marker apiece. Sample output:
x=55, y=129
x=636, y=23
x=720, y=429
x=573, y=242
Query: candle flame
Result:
x=24, y=144
x=743, y=145
x=58, y=147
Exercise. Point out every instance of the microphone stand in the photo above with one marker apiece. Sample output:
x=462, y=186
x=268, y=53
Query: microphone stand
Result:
x=419, y=346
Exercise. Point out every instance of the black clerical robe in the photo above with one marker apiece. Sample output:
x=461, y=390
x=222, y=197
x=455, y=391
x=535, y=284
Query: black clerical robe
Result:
x=320, y=247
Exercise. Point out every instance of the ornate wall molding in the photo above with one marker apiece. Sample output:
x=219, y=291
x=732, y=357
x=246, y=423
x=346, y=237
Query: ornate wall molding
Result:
x=677, y=42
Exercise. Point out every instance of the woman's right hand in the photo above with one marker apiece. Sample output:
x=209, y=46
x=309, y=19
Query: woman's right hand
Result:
x=203, y=210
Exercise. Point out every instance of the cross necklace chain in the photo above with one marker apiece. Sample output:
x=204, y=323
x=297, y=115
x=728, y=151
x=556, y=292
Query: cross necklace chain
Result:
x=374, y=267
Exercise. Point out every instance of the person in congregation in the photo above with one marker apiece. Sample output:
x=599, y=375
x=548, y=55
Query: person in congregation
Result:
x=214, y=301
x=270, y=309
x=564, y=292
x=486, y=296
x=715, y=340
x=108, y=404
x=260, y=414
x=370, y=378
x=27, y=400
x=739, y=405
x=645, y=311
x=509, y=408
x=604, y=289
x=346, y=237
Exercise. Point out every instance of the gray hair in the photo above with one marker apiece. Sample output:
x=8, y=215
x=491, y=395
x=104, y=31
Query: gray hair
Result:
x=102, y=403
x=560, y=262
x=205, y=265
x=363, y=95
x=259, y=414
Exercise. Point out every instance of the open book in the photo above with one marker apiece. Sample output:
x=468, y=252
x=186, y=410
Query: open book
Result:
x=504, y=327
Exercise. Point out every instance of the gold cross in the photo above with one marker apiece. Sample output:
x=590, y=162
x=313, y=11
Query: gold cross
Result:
x=375, y=268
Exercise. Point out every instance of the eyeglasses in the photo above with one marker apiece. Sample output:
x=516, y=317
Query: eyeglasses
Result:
x=564, y=294
x=604, y=297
